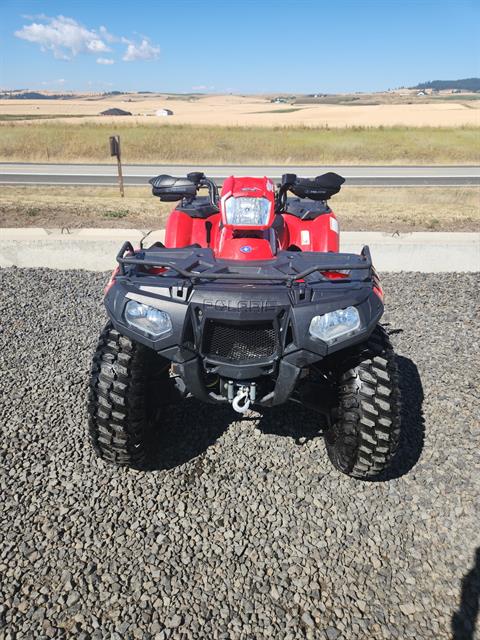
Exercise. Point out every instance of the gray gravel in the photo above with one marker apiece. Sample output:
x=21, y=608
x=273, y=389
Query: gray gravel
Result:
x=245, y=530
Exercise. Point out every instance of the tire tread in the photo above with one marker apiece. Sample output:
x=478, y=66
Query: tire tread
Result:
x=369, y=423
x=119, y=422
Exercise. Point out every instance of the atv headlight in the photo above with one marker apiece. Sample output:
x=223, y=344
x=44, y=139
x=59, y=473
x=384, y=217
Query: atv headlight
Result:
x=247, y=212
x=148, y=319
x=335, y=325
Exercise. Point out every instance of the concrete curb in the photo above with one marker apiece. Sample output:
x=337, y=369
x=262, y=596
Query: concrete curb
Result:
x=95, y=249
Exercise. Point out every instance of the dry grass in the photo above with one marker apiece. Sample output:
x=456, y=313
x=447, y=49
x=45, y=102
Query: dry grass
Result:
x=52, y=206
x=409, y=209
x=144, y=143
x=358, y=208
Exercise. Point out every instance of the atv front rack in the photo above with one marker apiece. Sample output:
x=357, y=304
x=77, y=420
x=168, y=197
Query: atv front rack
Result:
x=196, y=264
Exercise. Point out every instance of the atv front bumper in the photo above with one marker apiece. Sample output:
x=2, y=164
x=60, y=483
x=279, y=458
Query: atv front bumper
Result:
x=242, y=331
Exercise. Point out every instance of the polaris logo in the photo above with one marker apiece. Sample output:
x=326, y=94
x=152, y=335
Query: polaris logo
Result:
x=254, y=306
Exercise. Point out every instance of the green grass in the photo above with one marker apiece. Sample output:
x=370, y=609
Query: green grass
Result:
x=273, y=111
x=457, y=97
x=193, y=144
x=120, y=213
x=7, y=117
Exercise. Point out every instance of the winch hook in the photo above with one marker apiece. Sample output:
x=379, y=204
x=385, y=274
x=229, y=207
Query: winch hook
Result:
x=241, y=402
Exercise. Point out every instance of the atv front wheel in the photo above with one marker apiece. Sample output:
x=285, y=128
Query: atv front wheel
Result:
x=366, y=421
x=129, y=385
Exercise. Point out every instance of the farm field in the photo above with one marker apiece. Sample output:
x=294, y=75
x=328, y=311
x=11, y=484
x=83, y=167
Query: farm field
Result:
x=370, y=110
x=80, y=140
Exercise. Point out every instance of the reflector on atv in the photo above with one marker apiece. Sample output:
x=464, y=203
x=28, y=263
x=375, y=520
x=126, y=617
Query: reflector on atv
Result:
x=248, y=303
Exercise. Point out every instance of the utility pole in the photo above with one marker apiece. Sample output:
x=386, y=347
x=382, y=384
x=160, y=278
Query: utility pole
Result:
x=116, y=151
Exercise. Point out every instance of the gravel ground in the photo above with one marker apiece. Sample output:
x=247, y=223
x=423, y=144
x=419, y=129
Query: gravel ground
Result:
x=245, y=530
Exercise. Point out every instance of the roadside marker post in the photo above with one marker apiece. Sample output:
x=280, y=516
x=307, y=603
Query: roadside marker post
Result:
x=116, y=151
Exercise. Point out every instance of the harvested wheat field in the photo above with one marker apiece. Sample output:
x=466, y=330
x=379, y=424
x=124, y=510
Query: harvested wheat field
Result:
x=229, y=110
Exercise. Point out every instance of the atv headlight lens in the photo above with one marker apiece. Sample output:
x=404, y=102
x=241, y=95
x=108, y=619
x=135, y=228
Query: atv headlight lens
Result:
x=148, y=319
x=247, y=212
x=334, y=325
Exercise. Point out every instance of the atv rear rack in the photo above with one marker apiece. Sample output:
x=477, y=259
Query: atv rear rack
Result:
x=197, y=264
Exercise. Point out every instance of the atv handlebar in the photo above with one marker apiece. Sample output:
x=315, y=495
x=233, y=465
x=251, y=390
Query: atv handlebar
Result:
x=170, y=189
x=319, y=188
x=201, y=180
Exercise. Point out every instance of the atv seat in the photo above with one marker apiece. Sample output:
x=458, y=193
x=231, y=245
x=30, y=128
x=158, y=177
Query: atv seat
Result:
x=306, y=209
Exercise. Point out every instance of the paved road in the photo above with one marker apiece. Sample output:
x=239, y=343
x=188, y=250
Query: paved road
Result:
x=137, y=175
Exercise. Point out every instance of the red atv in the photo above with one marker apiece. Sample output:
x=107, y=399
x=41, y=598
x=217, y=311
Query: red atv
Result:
x=248, y=303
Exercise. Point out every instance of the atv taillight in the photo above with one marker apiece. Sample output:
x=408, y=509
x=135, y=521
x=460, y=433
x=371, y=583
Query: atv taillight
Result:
x=110, y=283
x=155, y=271
x=377, y=287
x=335, y=275
x=379, y=292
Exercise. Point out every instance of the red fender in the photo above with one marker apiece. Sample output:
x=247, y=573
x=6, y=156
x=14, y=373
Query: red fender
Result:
x=320, y=234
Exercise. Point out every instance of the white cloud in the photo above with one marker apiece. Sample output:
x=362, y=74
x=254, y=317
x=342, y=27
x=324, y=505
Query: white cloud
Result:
x=142, y=51
x=203, y=87
x=49, y=83
x=106, y=35
x=64, y=37
x=36, y=16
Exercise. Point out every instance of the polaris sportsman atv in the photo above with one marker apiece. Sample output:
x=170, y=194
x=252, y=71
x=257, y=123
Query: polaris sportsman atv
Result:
x=248, y=303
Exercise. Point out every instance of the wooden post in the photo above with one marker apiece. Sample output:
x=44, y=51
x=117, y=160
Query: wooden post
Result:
x=116, y=151
x=120, y=174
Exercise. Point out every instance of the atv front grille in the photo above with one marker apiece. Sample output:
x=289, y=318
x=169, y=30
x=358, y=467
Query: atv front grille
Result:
x=237, y=342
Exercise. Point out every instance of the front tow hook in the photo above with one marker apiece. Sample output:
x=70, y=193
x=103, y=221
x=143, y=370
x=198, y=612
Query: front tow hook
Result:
x=244, y=397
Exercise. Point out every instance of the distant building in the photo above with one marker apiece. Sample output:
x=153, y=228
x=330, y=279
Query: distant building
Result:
x=164, y=112
x=115, y=112
x=421, y=93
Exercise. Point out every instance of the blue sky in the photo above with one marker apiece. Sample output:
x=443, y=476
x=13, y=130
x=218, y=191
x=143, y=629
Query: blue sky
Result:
x=241, y=47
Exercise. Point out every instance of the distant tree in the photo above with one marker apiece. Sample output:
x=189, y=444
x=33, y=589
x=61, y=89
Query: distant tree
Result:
x=465, y=84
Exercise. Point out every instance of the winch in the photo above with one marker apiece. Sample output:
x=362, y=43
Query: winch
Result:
x=241, y=396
